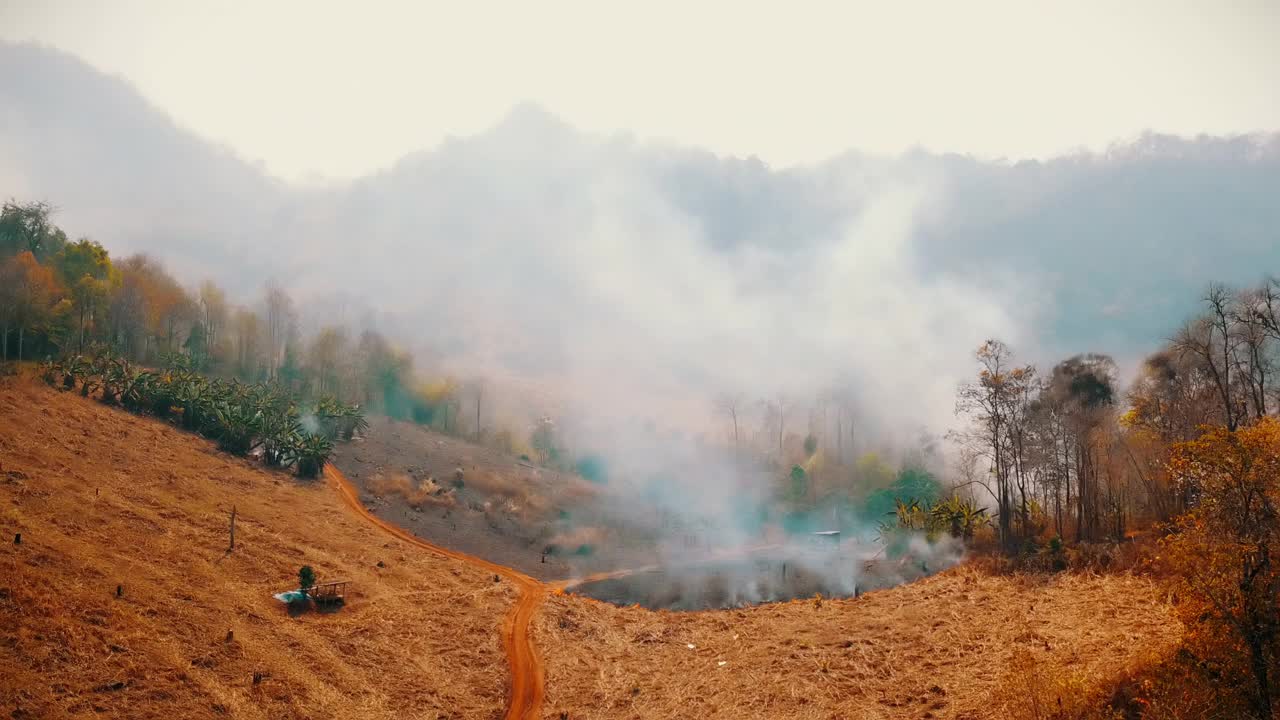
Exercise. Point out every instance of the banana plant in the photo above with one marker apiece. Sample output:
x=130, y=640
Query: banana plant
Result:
x=338, y=419
x=280, y=430
x=238, y=427
x=116, y=376
x=240, y=417
x=958, y=516
x=309, y=453
x=137, y=391
x=909, y=513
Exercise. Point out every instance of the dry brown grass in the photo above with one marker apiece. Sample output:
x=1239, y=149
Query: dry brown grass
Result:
x=104, y=498
x=423, y=494
x=949, y=646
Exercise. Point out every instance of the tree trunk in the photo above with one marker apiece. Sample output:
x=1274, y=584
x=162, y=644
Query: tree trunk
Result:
x=80, y=336
x=1057, y=507
x=840, y=435
x=1080, y=488
x=1258, y=661
x=20, y=332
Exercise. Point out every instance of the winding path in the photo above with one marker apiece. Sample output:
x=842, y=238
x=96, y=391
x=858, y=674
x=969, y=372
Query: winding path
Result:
x=525, y=699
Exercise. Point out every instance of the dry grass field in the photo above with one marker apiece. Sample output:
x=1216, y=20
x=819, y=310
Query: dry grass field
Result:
x=961, y=644
x=104, y=498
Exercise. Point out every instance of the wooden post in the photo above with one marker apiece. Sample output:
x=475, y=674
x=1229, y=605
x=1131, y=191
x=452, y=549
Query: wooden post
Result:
x=233, y=529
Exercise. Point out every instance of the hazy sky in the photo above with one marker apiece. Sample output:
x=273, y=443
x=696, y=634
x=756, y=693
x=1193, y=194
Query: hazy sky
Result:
x=339, y=89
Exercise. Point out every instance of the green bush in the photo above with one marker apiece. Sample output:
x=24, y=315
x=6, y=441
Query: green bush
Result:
x=306, y=578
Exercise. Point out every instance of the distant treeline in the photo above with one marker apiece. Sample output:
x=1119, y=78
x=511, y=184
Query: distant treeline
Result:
x=60, y=297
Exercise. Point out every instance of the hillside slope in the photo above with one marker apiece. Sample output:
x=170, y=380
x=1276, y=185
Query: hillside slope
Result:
x=103, y=498
x=961, y=644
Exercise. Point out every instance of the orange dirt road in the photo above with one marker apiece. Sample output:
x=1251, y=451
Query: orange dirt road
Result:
x=525, y=700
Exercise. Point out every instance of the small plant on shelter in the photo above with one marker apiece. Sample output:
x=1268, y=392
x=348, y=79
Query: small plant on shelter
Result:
x=306, y=578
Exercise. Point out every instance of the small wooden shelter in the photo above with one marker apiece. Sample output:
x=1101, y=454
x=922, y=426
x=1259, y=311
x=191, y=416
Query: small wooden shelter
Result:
x=329, y=593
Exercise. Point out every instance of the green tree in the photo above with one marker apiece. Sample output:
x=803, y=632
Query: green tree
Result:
x=197, y=346
x=799, y=482
x=26, y=227
x=910, y=484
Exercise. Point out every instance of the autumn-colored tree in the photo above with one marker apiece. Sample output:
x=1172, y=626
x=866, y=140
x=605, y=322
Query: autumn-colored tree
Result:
x=29, y=295
x=247, y=329
x=326, y=357
x=148, y=308
x=998, y=406
x=214, y=313
x=172, y=311
x=1224, y=551
x=128, y=306
x=86, y=271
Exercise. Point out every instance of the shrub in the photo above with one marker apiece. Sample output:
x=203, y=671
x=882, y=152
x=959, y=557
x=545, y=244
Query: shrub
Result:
x=810, y=444
x=1222, y=553
x=310, y=453
x=306, y=578
x=592, y=468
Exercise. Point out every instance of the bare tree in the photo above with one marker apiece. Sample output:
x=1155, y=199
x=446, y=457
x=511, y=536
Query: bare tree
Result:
x=477, y=388
x=731, y=405
x=213, y=309
x=280, y=317
x=1253, y=324
x=994, y=404
x=781, y=405
x=1210, y=341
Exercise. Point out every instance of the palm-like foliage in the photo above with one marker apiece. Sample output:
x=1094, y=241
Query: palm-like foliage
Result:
x=338, y=419
x=310, y=453
x=117, y=377
x=241, y=418
x=958, y=516
x=238, y=426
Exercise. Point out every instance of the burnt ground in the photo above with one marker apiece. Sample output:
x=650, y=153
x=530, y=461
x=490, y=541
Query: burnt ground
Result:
x=501, y=511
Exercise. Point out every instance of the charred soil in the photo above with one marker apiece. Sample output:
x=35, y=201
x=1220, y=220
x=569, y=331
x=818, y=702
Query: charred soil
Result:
x=459, y=494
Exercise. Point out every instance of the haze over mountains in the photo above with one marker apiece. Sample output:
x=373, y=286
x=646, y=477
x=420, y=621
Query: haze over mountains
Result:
x=537, y=250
